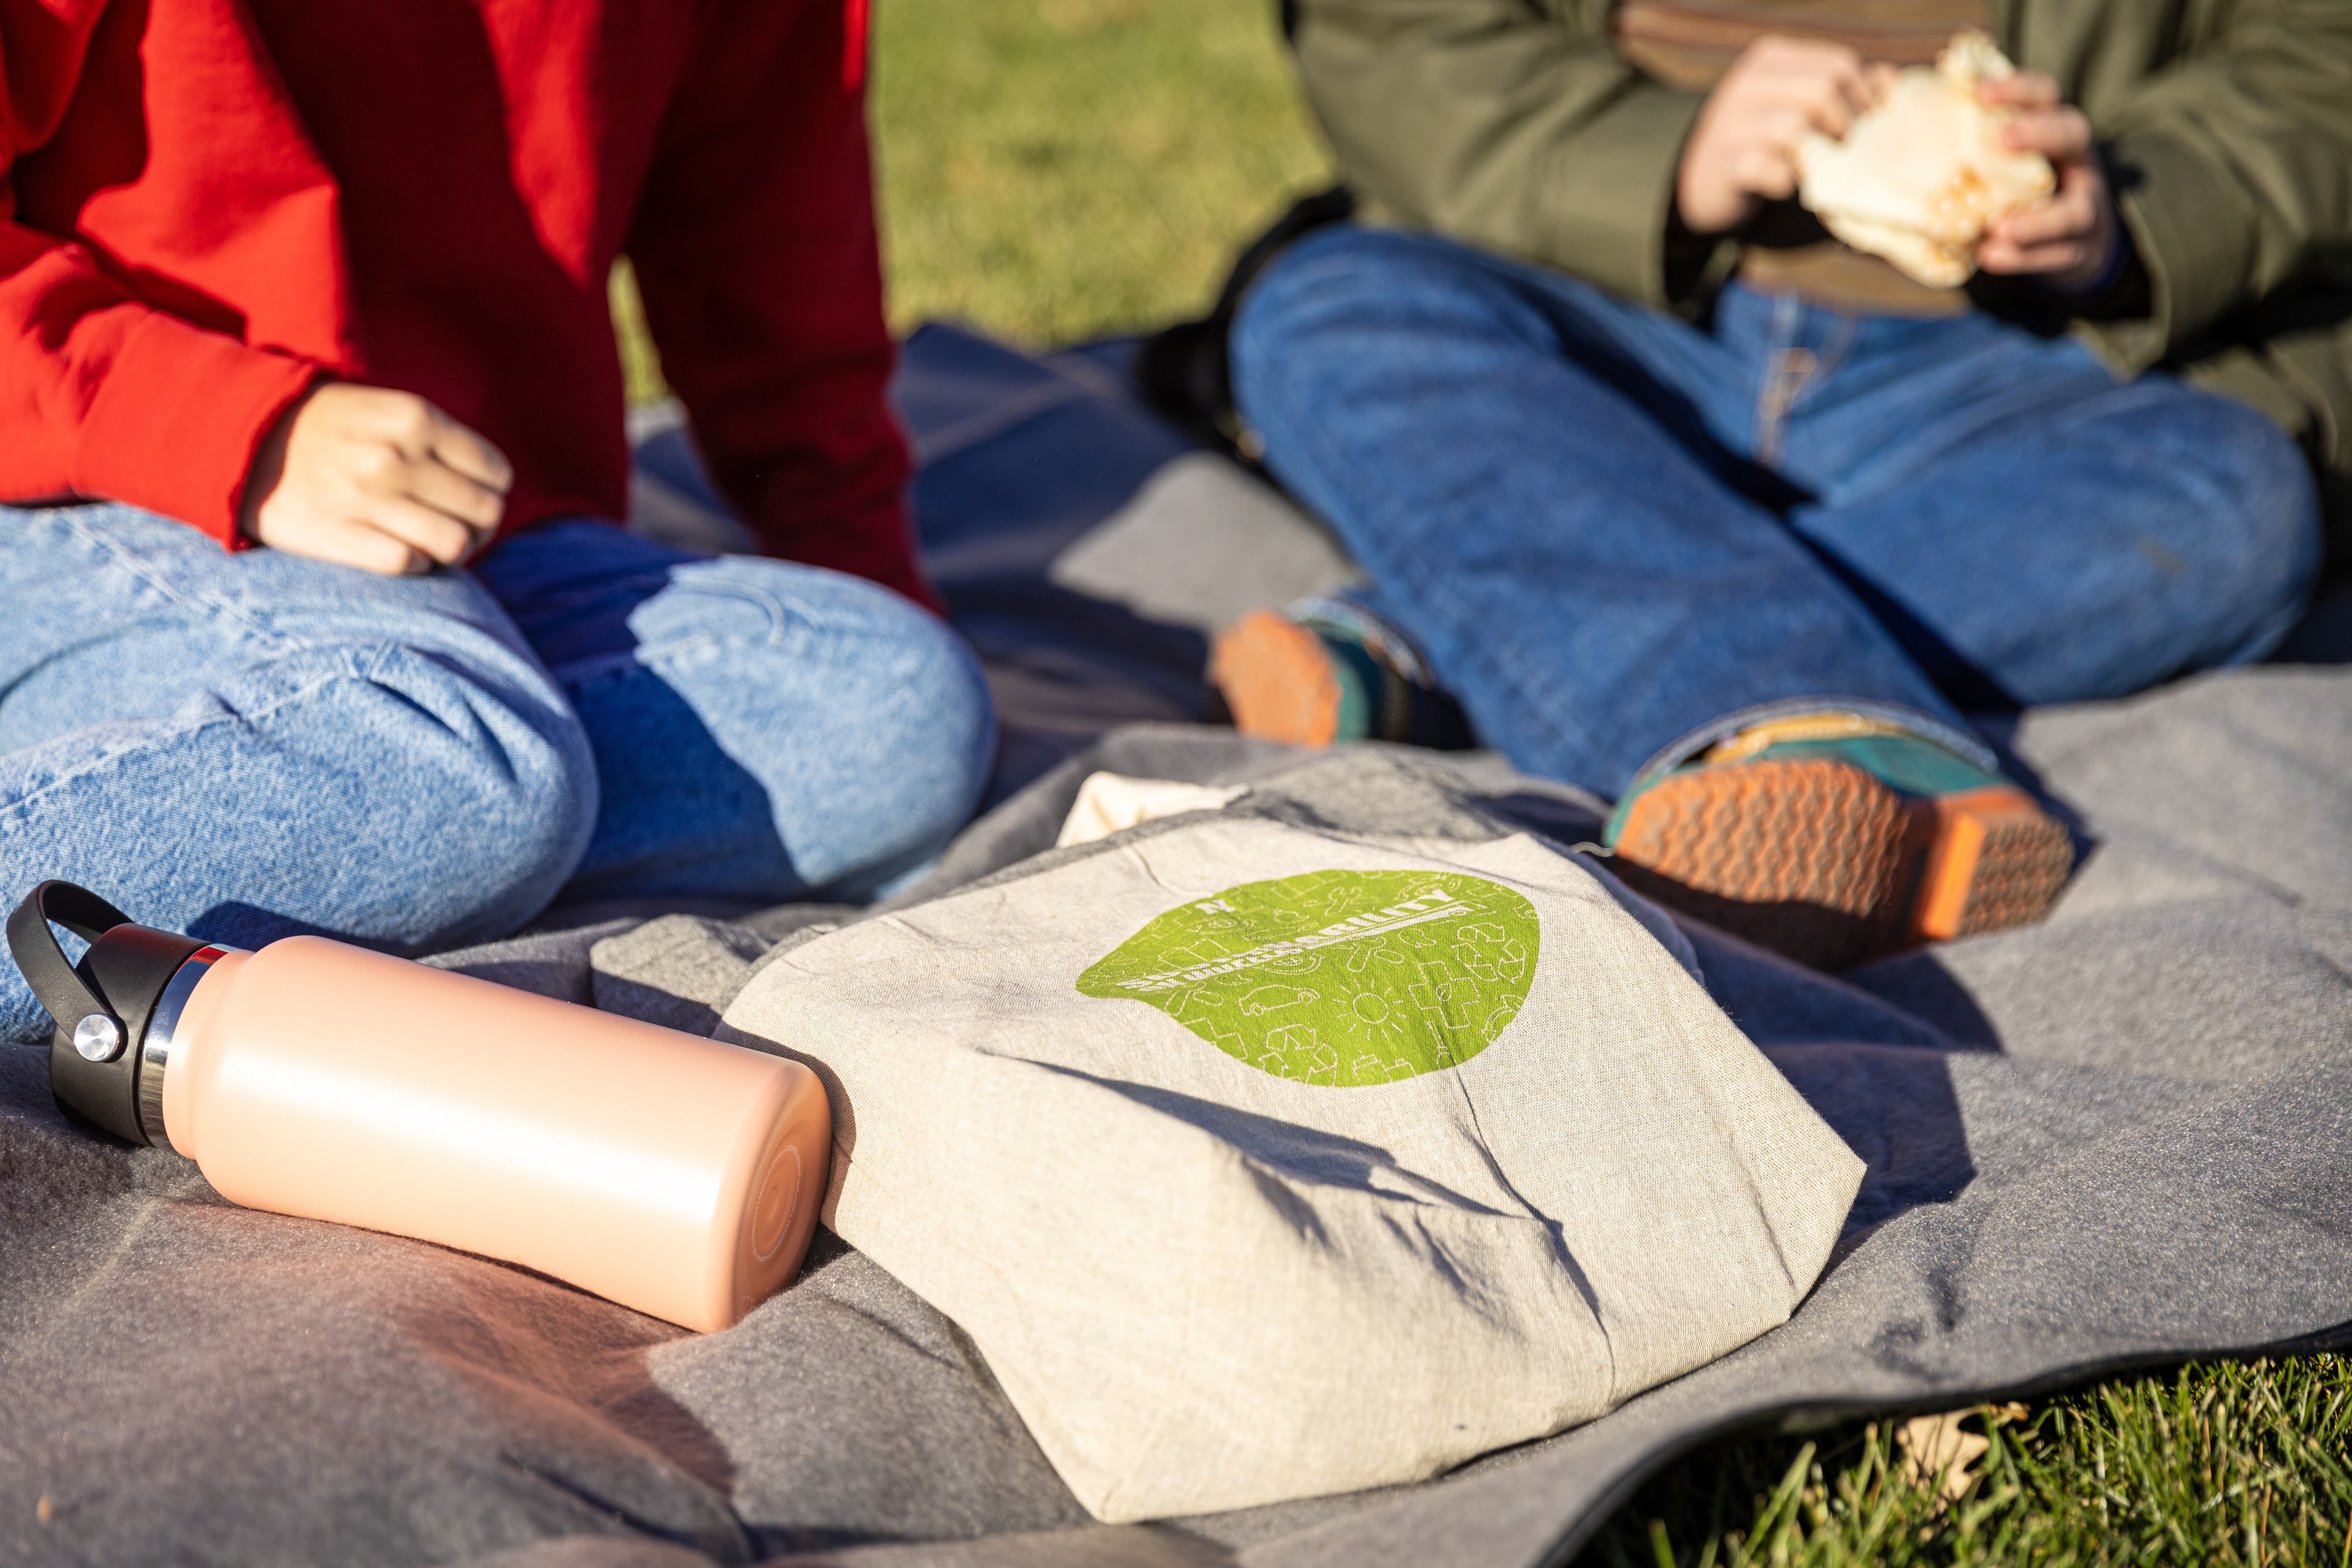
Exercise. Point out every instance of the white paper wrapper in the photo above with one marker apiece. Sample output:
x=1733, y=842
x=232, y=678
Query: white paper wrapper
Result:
x=1922, y=174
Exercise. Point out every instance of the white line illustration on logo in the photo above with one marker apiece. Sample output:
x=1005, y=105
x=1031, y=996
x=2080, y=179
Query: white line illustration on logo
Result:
x=1431, y=967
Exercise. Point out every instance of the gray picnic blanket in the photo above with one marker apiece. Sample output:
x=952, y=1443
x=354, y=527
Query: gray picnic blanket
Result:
x=2121, y=1137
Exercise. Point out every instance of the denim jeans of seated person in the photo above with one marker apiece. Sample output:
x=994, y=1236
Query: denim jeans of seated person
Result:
x=245, y=746
x=1605, y=527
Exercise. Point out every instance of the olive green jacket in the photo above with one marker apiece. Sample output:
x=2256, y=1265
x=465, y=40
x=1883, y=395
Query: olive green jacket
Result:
x=1514, y=124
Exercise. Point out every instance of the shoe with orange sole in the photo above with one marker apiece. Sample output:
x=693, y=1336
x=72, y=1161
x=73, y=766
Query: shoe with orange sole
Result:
x=1325, y=673
x=1834, y=839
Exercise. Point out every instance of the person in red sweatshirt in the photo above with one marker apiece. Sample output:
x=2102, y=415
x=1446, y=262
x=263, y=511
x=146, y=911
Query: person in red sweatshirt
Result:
x=311, y=438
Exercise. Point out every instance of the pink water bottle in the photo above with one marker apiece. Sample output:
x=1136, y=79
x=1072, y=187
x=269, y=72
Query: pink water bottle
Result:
x=676, y=1176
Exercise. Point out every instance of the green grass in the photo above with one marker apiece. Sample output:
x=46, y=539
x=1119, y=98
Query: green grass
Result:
x=1056, y=169
x=640, y=364
x=2232, y=1463
x=1060, y=169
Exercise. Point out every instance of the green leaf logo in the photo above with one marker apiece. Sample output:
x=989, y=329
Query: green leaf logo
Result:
x=1347, y=979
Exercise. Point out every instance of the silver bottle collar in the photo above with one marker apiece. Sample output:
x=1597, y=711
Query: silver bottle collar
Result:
x=156, y=1052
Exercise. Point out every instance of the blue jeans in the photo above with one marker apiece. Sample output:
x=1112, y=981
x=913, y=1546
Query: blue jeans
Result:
x=242, y=746
x=1605, y=527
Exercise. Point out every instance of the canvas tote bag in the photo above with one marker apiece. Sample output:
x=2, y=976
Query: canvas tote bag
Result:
x=1262, y=1162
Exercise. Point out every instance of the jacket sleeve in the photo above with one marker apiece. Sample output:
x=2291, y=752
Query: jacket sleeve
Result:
x=1510, y=124
x=755, y=250
x=101, y=395
x=2230, y=166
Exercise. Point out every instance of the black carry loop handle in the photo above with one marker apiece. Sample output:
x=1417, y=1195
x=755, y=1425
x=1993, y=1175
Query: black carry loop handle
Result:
x=114, y=988
x=43, y=961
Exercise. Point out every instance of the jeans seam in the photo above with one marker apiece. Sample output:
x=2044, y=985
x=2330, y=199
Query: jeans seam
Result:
x=215, y=605
x=578, y=678
x=1762, y=429
x=1829, y=361
x=1781, y=394
x=23, y=804
x=777, y=617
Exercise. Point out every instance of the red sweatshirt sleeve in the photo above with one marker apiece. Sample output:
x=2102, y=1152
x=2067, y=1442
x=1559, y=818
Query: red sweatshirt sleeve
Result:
x=755, y=249
x=100, y=394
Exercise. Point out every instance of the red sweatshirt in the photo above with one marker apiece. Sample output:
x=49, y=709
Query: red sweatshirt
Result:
x=207, y=204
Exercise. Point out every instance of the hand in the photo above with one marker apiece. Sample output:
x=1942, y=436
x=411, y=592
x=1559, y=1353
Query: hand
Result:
x=2071, y=236
x=377, y=480
x=1739, y=156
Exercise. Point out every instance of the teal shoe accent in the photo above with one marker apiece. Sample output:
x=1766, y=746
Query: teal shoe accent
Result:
x=1615, y=827
x=1907, y=763
x=1386, y=693
x=1911, y=765
x=1361, y=679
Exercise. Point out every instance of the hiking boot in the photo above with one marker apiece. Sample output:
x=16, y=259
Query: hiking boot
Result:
x=1327, y=671
x=1834, y=839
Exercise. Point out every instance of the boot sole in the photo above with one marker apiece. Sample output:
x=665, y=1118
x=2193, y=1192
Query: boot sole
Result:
x=1823, y=863
x=1277, y=680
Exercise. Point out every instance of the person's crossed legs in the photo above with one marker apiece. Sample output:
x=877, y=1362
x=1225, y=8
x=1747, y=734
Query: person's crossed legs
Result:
x=242, y=746
x=1609, y=534
x=2032, y=529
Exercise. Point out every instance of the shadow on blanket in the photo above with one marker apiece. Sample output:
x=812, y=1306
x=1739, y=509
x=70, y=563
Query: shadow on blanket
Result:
x=2122, y=1137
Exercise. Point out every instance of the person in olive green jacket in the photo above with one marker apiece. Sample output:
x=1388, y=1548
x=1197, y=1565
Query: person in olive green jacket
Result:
x=1691, y=505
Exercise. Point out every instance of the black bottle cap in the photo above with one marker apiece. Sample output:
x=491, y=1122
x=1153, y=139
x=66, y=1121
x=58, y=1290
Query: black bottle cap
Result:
x=101, y=1006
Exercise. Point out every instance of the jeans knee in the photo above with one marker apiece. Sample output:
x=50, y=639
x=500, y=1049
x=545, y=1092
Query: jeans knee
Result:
x=1331, y=276
x=932, y=746
x=2247, y=488
x=489, y=793
x=2281, y=498
x=867, y=719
